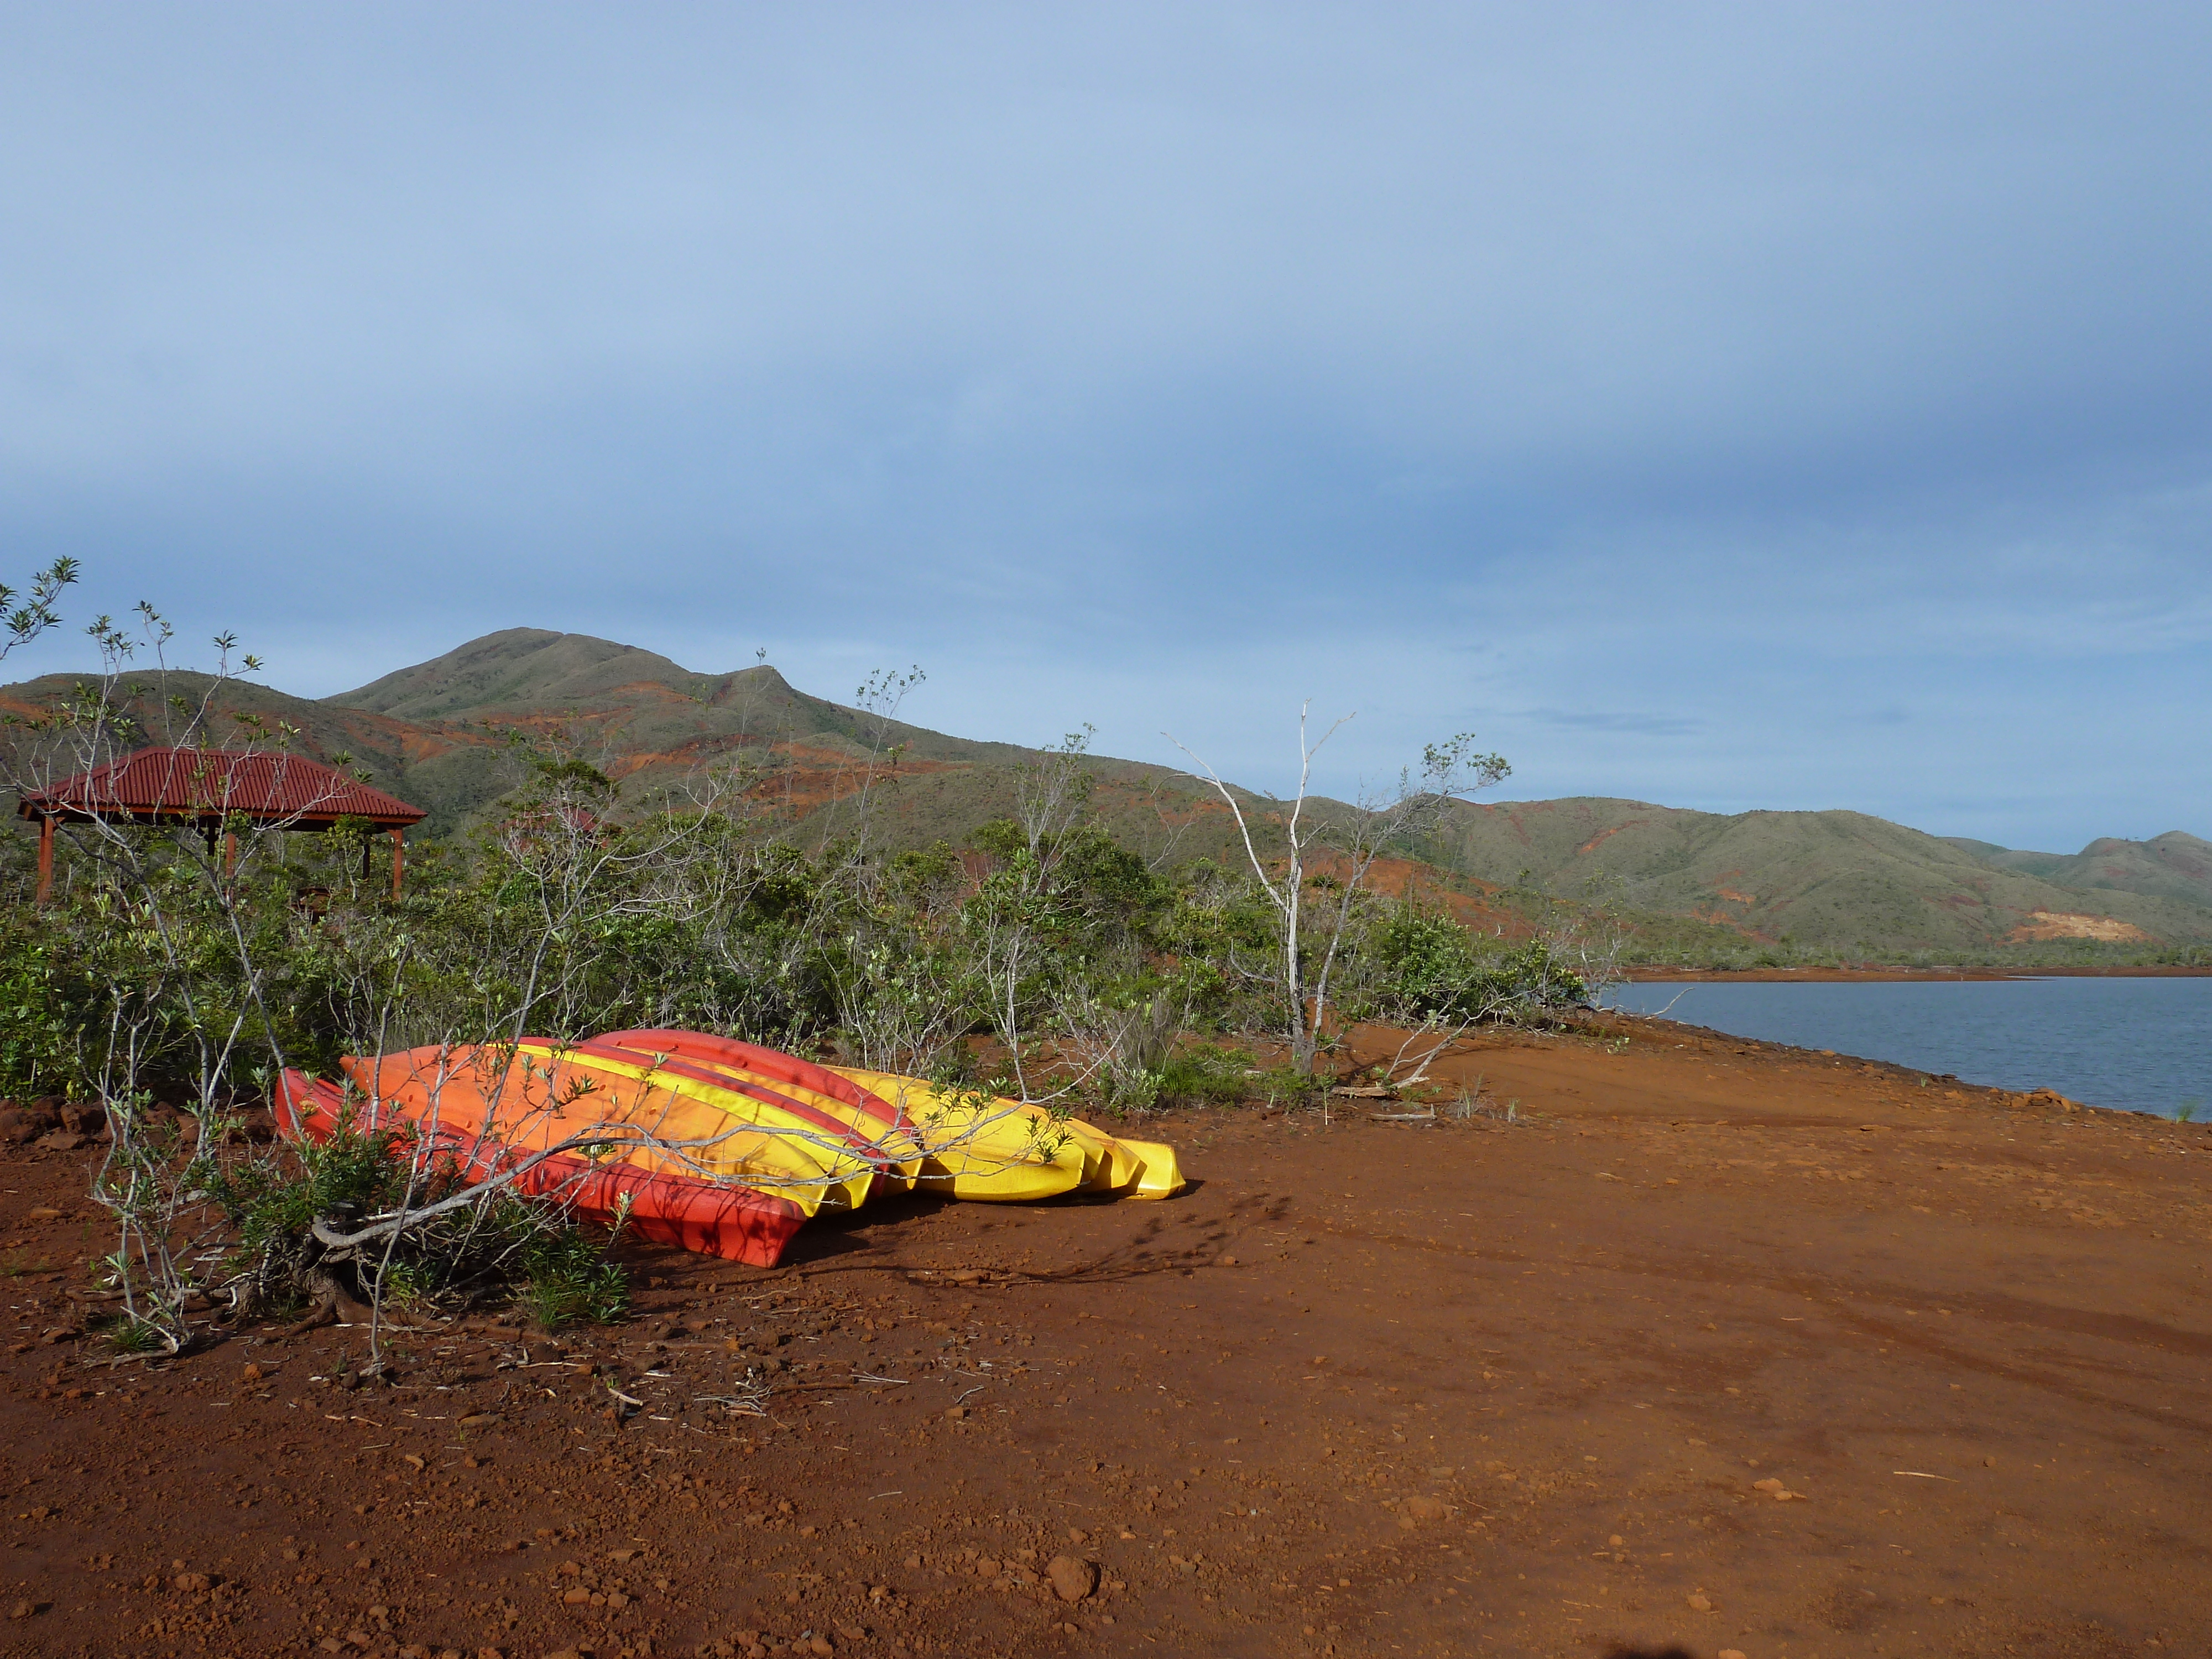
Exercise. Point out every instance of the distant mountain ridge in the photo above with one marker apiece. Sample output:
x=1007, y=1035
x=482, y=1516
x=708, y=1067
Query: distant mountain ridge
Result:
x=2172, y=866
x=1835, y=880
x=1696, y=884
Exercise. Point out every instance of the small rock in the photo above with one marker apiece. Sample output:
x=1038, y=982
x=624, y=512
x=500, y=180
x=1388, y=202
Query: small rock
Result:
x=192, y=1584
x=957, y=1411
x=24, y=1610
x=480, y=1420
x=1729, y=1653
x=1426, y=1509
x=1701, y=1602
x=1225, y=1261
x=1615, y=1541
x=43, y=1213
x=1072, y=1578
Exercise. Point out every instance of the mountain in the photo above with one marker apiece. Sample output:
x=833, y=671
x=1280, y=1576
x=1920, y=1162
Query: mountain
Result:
x=2172, y=866
x=648, y=722
x=439, y=734
x=1832, y=882
x=450, y=770
x=1693, y=885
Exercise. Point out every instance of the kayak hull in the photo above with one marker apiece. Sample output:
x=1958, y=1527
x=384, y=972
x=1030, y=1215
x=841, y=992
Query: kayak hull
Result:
x=715, y=1145
x=734, y=1223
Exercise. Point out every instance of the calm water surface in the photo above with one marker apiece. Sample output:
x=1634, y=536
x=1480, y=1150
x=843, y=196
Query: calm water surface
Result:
x=2145, y=1044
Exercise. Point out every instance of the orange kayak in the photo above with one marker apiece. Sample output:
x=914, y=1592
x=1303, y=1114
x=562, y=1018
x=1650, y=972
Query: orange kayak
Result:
x=668, y=1206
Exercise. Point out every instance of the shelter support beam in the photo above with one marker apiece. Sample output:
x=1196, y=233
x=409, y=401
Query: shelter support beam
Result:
x=46, y=858
x=398, y=863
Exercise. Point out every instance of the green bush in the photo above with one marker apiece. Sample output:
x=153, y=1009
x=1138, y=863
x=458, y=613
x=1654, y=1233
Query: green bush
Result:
x=567, y=1278
x=1199, y=1075
x=43, y=1007
x=499, y=1247
x=1423, y=965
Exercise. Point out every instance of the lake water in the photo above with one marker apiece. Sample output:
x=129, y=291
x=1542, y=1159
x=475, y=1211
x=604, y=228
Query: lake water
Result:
x=2143, y=1044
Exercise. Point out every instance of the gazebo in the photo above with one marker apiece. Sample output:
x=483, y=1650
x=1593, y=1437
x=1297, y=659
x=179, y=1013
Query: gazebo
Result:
x=207, y=787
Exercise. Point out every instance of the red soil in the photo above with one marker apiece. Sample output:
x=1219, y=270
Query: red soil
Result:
x=1302, y=1410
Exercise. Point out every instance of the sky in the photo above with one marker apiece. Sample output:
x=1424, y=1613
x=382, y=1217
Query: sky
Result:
x=1729, y=407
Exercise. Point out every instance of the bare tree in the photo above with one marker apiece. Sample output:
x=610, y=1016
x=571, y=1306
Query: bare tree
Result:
x=181, y=989
x=1314, y=886
x=1014, y=912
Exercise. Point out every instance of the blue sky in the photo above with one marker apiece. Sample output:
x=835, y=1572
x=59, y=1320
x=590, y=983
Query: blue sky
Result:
x=1725, y=406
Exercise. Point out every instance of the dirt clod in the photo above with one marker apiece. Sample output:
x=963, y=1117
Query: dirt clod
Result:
x=1074, y=1579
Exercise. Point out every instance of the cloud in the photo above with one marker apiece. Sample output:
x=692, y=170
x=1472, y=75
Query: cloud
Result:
x=1650, y=726
x=1660, y=391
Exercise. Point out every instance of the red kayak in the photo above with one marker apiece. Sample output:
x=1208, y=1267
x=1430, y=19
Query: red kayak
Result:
x=714, y=1218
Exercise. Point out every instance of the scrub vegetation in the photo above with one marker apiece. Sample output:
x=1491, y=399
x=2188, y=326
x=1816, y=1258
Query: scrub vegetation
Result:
x=177, y=969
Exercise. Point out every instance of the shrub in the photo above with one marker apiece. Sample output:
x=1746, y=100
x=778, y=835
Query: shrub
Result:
x=1423, y=965
x=501, y=1246
x=568, y=1277
x=1200, y=1075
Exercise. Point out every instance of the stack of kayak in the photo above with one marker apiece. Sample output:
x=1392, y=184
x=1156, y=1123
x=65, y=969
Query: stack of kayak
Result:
x=721, y=1147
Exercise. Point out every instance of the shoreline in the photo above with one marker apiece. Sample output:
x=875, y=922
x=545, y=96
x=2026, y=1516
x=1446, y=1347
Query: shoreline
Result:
x=1874, y=974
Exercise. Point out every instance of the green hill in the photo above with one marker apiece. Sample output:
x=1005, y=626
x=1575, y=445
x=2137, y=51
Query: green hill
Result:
x=2172, y=866
x=1831, y=882
x=649, y=722
x=1693, y=886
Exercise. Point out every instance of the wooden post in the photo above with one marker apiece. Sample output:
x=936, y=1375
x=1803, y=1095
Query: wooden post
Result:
x=229, y=857
x=45, y=856
x=397, y=863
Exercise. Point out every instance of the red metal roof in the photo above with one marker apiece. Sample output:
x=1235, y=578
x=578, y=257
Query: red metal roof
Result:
x=268, y=787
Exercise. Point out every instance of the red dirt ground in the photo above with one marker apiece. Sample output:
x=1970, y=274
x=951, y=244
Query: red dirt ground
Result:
x=1371, y=1389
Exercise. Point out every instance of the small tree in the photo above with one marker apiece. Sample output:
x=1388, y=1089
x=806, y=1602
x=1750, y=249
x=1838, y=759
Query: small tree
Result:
x=1315, y=887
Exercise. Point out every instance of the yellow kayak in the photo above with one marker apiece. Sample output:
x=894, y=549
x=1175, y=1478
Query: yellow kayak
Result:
x=993, y=1150
x=789, y=1148
x=876, y=1125
x=998, y=1149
